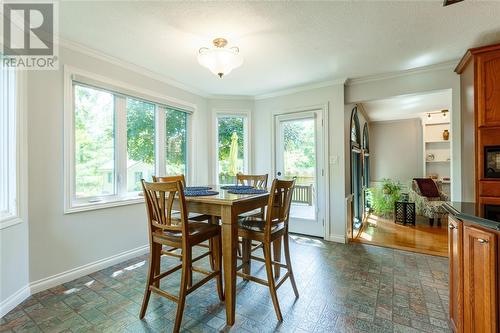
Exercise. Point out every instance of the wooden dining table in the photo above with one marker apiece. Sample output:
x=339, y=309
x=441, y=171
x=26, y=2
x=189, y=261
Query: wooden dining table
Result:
x=227, y=206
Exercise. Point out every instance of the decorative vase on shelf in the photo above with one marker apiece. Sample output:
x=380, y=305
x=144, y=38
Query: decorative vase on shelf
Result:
x=446, y=135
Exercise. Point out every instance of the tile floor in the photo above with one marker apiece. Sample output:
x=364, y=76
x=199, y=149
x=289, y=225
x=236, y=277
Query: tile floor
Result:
x=343, y=288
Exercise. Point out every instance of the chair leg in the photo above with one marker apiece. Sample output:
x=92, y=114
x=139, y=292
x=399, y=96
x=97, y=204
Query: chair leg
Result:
x=186, y=264
x=277, y=257
x=289, y=264
x=157, y=263
x=217, y=254
x=212, y=254
x=149, y=280
x=431, y=222
x=246, y=253
x=270, y=280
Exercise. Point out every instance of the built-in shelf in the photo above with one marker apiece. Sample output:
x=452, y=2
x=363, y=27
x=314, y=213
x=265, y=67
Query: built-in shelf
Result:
x=439, y=149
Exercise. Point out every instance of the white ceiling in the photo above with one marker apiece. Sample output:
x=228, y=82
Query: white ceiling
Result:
x=285, y=44
x=407, y=106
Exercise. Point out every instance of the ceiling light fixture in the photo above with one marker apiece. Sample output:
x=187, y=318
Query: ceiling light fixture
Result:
x=219, y=59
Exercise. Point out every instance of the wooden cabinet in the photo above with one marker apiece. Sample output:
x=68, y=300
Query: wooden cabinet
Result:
x=455, y=241
x=480, y=280
x=474, y=279
x=479, y=72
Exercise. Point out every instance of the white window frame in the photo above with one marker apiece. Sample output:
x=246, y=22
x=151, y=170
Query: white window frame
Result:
x=15, y=162
x=247, y=153
x=122, y=197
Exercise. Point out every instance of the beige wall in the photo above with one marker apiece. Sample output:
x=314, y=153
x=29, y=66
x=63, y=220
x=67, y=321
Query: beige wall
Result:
x=396, y=150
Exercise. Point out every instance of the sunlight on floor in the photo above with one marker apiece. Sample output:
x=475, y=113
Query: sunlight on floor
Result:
x=71, y=291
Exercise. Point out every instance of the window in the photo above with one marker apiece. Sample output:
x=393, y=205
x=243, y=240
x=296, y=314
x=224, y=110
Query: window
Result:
x=8, y=147
x=94, y=143
x=119, y=137
x=140, y=143
x=232, y=147
x=176, y=123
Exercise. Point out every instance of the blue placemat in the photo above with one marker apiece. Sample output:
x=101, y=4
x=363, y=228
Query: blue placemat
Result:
x=197, y=188
x=199, y=193
x=236, y=187
x=247, y=191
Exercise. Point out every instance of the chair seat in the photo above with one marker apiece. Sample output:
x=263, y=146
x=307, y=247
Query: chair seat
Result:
x=257, y=224
x=198, y=232
x=192, y=216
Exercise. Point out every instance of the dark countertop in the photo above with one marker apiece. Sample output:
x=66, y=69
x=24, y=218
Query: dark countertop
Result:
x=470, y=211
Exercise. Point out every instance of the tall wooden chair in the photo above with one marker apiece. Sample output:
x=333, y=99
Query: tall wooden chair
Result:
x=192, y=217
x=271, y=229
x=166, y=230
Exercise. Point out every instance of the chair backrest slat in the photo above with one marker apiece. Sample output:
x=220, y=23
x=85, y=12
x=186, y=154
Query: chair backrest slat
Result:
x=278, y=207
x=257, y=181
x=159, y=202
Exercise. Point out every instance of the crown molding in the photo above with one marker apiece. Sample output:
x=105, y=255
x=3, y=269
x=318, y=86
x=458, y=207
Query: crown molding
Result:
x=232, y=97
x=412, y=71
x=302, y=88
x=130, y=66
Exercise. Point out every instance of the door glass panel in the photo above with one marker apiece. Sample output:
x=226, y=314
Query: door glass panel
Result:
x=299, y=162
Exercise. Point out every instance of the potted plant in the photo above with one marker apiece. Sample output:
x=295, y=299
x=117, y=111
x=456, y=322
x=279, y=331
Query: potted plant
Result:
x=384, y=197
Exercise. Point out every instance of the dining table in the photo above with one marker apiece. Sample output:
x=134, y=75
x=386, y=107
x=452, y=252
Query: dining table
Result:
x=227, y=206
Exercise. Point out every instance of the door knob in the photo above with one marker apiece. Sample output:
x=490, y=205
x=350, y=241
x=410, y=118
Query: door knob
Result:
x=279, y=173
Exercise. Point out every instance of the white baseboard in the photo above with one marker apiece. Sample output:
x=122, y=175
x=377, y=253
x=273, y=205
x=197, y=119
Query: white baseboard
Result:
x=337, y=239
x=90, y=268
x=14, y=300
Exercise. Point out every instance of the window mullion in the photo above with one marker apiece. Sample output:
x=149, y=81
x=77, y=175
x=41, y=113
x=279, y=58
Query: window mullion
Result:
x=121, y=145
x=160, y=141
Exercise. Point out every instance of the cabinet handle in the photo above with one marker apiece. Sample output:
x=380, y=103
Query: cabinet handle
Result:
x=451, y=226
x=482, y=241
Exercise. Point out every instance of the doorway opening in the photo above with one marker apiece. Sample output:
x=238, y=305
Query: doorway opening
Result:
x=404, y=138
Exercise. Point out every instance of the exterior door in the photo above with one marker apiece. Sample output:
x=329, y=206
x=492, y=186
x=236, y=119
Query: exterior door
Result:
x=299, y=155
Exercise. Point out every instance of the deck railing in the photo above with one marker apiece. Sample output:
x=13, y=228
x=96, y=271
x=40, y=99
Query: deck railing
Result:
x=303, y=194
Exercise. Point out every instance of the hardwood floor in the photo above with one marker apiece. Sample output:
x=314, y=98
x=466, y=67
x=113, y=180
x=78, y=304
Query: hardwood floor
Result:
x=421, y=238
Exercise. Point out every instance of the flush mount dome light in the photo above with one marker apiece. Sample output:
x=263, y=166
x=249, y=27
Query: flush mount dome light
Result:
x=219, y=59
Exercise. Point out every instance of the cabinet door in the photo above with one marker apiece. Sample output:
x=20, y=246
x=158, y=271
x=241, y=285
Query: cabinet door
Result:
x=480, y=272
x=488, y=89
x=455, y=253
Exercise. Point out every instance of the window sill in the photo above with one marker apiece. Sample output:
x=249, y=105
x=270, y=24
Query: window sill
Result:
x=88, y=206
x=6, y=222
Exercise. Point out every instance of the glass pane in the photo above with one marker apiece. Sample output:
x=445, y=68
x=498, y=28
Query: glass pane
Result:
x=231, y=147
x=140, y=143
x=176, y=142
x=299, y=162
x=94, y=142
x=7, y=143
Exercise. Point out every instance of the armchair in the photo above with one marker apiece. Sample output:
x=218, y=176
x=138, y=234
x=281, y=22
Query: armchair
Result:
x=429, y=199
